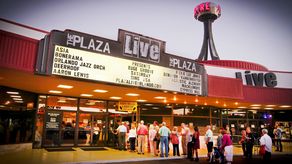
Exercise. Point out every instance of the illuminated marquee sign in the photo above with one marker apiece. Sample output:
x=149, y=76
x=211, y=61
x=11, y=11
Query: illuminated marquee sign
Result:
x=141, y=47
x=134, y=60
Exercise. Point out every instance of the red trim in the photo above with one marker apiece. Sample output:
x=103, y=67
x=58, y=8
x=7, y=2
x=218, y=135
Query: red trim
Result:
x=235, y=64
x=224, y=87
x=19, y=36
x=17, y=52
x=267, y=95
x=25, y=26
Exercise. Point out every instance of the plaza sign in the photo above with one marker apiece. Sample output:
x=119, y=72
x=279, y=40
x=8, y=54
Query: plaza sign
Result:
x=134, y=60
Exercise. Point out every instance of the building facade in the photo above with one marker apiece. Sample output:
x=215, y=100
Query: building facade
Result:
x=68, y=88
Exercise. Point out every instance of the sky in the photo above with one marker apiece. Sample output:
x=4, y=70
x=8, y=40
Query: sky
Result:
x=258, y=31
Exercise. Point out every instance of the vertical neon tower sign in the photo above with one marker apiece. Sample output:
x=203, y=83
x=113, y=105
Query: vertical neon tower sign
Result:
x=207, y=13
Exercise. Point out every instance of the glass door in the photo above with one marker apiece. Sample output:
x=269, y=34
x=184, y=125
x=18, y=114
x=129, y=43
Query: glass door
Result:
x=52, y=128
x=60, y=121
x=92, y=123
x=68, y=128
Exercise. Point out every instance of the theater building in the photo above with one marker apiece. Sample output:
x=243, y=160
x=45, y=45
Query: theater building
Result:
x=69, y=88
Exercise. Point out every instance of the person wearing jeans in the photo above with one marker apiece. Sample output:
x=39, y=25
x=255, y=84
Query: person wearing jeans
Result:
x=164, y=134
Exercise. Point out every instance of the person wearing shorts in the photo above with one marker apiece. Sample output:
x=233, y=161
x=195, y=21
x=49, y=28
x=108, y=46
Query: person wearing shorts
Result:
x=209, y=140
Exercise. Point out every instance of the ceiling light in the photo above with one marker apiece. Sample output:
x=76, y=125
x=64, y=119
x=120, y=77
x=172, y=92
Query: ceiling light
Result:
x=270, y=105
x=90, y=103
x=196, y=100
x=148, y=104
x=165, y=91
x=242, y=107
x=72, y=99
x=62, y=101
x=54, y=91
x=225, y=105
x=43, y=97
x=141, y=100
x=217, y=102
x=15, y=96
x=269, y=108
x=256, y=105
x=164, y=100
x=65, y=86
x=159, y=97
x=236, y=103
x=7, y=102
x=285, y=106
x=18, y=99
x=86, y=95
x=132, y=94
x=174, y=98
x=205, y=103
x=115, y=98
x=100, y=91
x=175, y=93
x=185, y=102
x=12, y=93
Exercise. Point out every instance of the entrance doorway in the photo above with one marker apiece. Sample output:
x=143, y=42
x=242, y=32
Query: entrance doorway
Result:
x=92, y=129
x=59, y=128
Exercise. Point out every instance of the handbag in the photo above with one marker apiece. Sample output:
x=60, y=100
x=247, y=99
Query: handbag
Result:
x=262, y=150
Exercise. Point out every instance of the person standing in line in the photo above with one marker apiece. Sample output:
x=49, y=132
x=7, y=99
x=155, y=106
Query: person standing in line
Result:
x=249, y=142
x=242, y=142
x=196, y=137
x=175, y=141
x=227, y=147
x=278, y=138
x=219, y=143
x=142, y=133
x=132, y=137
x=157, y=137
x=209, y=141
x=184, y=131
x=266, y=141
x=190, y=142
x=122, y=130
x=164, y=133
x=152, y=135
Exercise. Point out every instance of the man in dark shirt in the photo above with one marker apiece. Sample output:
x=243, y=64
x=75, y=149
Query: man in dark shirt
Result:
x=249, y=142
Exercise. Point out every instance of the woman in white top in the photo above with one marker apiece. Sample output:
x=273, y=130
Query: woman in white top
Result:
x=132, y=138
x=152, y=134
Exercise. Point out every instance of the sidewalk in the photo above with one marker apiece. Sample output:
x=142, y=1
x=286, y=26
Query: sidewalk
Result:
x=42, y=156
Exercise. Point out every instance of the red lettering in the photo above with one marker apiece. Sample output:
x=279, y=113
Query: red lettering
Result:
x=202, y=7
x=195, y=11
x=207, y=5
x=218, y=9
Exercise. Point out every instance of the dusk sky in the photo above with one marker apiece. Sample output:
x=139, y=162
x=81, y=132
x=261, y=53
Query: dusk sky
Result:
x=258, y=31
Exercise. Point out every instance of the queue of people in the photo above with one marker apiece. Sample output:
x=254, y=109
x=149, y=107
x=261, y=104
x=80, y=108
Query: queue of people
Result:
x=159, y=136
